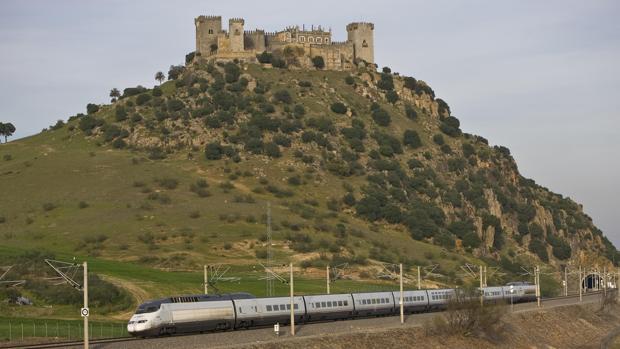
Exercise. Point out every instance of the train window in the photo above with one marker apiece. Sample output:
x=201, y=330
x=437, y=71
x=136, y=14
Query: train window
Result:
x=323, y=304
x=346, y=303
x=374, y=301
x=288, y=307
x=296, y=306
x=276, y=308
x=382, y=300
x=282, y=307
x=318, y=304
x=269, y=308
x=339, y=303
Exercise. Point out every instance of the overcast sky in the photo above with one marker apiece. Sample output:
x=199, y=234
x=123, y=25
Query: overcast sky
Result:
x=540, y=77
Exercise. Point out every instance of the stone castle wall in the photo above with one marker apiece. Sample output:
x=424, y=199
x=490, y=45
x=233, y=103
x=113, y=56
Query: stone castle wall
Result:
x=237, y=43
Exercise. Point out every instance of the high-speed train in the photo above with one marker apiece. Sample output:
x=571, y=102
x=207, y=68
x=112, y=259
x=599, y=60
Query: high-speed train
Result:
x=200, y=313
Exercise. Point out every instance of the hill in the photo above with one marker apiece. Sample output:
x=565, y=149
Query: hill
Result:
x=358, y=167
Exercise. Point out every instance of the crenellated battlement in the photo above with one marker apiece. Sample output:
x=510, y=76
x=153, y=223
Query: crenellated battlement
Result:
x=315, y=40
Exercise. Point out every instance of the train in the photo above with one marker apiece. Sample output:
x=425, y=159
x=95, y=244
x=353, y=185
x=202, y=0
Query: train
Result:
x=202, y=313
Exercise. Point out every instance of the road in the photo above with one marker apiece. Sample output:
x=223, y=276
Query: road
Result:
x=263, y=335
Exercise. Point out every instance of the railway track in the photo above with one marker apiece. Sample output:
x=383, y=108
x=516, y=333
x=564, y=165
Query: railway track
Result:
x=136, y=340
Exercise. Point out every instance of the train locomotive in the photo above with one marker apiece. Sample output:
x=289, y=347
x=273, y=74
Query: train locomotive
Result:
x=201, y=313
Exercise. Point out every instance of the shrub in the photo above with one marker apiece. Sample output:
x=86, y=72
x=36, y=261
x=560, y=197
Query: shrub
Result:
x=194, y=214
x=349, y=80
x=213, y=151
x=386, y=82
x=339, y=108
x=304, y=83
x=88, y=123
x=410, y=112
x=48, y=206
x=143, y=98
x=2, y=219
x=318, y=62
x=272, y=150
x=175, y=71
x=264, y=57
x=283, y=96
x=168, y=183
x=157, y=92
x=438, y=139
x=381, y=117
x=231, y=72
x=119, y=143
x=412, y=139
x=277, y=62
x=468, y=150
x=92, y=108
x=175, y=105
x=540, y=249
x=133, y=91
x=391, y=96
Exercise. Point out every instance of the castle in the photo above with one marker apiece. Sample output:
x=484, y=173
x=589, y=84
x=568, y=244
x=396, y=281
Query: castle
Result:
x=295, y=44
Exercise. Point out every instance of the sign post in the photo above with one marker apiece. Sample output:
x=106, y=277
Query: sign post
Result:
x=84, y=311
x=512, y=292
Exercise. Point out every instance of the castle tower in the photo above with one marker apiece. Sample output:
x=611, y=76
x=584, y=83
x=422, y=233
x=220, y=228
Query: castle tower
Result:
x=207, y=29
x=361, y=34
x=236, y=34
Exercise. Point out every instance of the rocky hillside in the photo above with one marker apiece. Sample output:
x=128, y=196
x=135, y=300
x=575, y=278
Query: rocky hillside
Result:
x=359, y=166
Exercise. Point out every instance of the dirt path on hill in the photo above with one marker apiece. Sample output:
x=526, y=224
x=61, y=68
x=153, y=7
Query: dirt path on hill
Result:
x=136, y=292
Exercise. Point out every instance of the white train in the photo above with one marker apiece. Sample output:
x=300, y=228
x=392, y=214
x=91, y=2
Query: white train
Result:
x=200, y=313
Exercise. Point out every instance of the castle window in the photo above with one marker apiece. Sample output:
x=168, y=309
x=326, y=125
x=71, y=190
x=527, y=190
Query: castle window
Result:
x=326, y=40
x=364, y=44
x=319, y=40
x=210, y=31
x=237, y=32
x=311, y=39
x=302, y=39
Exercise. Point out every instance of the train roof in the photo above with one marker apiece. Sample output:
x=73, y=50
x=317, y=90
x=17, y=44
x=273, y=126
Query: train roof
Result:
x=198, y=298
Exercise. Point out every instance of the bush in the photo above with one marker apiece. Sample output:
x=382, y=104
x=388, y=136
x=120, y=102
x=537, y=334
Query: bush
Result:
x=381, y=117
x=88, y=123
x=272, y=150
x=92, y=108
x=391, y=96
x=410, y=112
x=48, y=206
x=318, y=62
x=540, y=249
x=349, y=80
x=168, y=183
x=119, y=143
x=213, y=151
x=264, y=57
x=339, y=108
x=133, y=91
x=283, y=96
x=143, y=98
x=278, y=63
x=175, y=105
x=412, y=139
x=175, y=71
x=304, y=83
x=157, y=92
x=438, y=139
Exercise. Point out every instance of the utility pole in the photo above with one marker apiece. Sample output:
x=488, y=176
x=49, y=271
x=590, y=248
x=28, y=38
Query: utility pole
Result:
x=402, y=299
x=420, y=280
x=605, y=280
x=292, y=304
x=85, y=310
x=565, y=280
x=481, y=287
x=537, y=273
x=206, y=277
x=327, y=274
x=580, y=285
x=485, y=276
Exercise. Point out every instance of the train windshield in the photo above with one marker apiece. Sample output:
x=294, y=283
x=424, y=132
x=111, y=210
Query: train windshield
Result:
x=147, y=308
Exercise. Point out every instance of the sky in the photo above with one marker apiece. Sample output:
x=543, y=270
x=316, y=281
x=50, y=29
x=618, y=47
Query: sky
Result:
x=539, y=77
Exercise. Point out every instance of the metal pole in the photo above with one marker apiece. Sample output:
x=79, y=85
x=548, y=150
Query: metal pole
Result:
x=419, y=279
x=485, y=276
x=481, y=287
x=206, y=280
x=580, y=285
x=402, y=303
x=292, y=304
x=327, y=275
x=85, y=290
x=538, y=286
x=566, y=281
x=605, y=280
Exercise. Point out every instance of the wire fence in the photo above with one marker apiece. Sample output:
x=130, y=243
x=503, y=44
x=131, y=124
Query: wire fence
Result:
x=15, y=330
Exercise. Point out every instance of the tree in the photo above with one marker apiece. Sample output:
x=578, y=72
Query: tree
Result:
x=159, y=76
x=412, y=139
x=339, y=108
x=115, y=94
x=7, y=130
x=318, y=62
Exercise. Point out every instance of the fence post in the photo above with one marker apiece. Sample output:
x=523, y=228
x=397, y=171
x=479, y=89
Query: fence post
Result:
x=34, y=329
x=45, y=328
x=10, y=332
x=68, y=330
x=21, y=323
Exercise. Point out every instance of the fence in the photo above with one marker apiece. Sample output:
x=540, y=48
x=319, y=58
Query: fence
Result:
x=16, y=330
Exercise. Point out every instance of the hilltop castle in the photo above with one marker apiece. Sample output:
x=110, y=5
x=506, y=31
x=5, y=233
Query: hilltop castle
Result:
x=293, y=43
